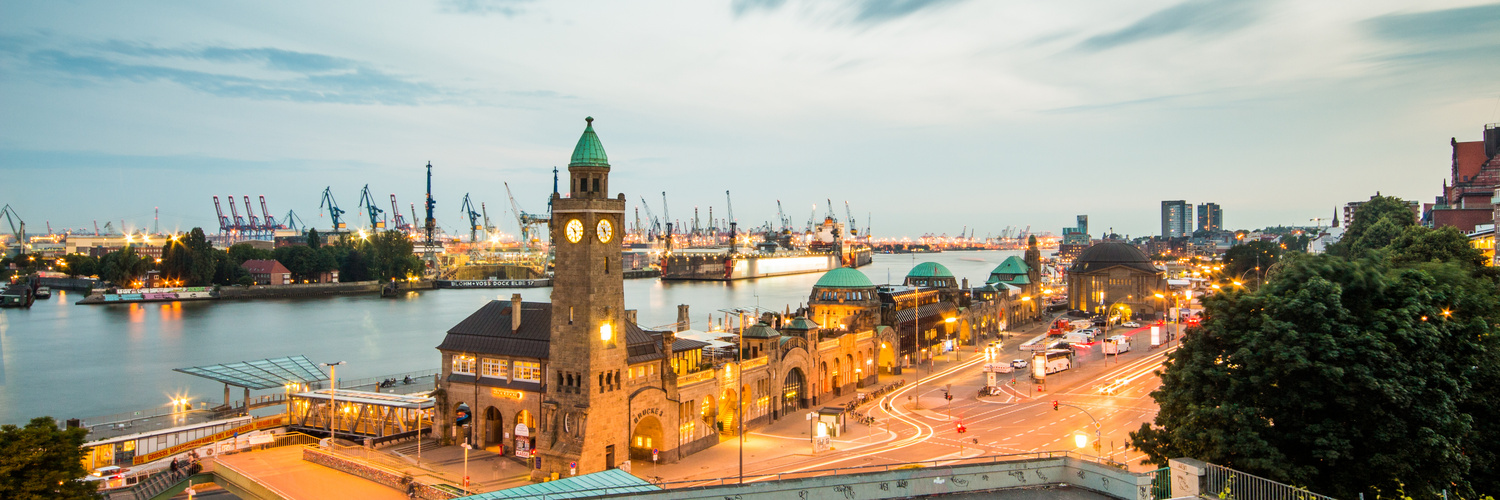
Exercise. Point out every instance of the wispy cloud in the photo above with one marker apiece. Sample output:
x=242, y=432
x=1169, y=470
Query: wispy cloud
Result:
x=1194, y=17
x=742, y=7
x=1441, y=36
x=507, y=8
x=858, y=11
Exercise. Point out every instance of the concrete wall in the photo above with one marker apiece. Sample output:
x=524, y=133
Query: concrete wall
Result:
x=307, y=290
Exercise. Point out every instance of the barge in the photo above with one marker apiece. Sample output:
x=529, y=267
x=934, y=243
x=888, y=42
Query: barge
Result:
x=774, y=257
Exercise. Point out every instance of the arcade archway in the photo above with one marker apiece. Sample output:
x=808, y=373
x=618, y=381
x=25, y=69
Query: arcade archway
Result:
x=646, y=436
x=728, y=411
x=494, y=428
x=793, y=390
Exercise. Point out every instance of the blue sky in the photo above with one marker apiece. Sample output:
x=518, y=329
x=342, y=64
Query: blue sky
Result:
x=928, y=115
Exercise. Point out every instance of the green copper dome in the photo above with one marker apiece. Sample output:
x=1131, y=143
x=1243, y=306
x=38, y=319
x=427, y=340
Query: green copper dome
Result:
x=929, y=270
x=761, y=331
x=844, y=277
x=589, y=152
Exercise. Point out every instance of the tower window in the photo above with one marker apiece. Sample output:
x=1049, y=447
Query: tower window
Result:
x=596, y=184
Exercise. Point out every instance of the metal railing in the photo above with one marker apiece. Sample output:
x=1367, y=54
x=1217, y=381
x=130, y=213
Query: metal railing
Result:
x=1230, y=484
x=373, y=381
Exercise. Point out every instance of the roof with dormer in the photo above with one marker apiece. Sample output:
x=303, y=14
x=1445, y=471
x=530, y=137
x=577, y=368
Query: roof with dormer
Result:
x=844, y=277
x=589, y=152
x=929, y=270
x=800, y=323
x=761, y=331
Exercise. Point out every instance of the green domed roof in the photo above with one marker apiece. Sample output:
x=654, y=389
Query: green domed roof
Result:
x=929, y=270
x=589, y=152
x=800, y=323
x=761, y=331
x=844, y=277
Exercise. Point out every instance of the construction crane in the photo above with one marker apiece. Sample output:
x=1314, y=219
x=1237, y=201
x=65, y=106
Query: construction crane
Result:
x=525, y=221
x=397, y=220
x=225, y=225
x=17, y=226
x=271, y=223
x=333, y=209
x=853, y=228
x=468, y=210
x=254, y=224
x=368, y=203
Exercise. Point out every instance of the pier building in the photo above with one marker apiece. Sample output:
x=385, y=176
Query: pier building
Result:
x=1111, y=273
x=575, y=386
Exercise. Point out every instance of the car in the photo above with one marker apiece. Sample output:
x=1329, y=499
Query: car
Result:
x=1130, y=324
x=1018, y=363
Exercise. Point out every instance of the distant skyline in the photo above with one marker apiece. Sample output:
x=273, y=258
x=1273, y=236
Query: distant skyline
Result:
x=927, y=115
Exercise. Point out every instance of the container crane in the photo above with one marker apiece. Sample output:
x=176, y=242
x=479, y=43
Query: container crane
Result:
x=397, y=220
x=254, y=224
x=333, y=209
x=468, y=211
x=225, y=225
x=17, y=226
x=239, y=222
x=368, y=203
x=271, y=223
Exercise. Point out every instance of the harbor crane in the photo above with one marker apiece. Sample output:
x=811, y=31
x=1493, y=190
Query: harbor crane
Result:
x=333, y=209
x=812, y=219
x=733, y=224
x=468, y=210
x=654, y=225
x=430, y=225
x=367, y=203
x=666, y=215
x=525, y=221
x=239, y=222
x=17, y=226
x=271, y=223
x=488, y=228
x=254, y=224
x=225, y=225
x=782, y=219
x=291, y=221
x=853, y=228
x=397, y=220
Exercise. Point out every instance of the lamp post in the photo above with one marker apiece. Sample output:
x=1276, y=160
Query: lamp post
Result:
x=333, y=385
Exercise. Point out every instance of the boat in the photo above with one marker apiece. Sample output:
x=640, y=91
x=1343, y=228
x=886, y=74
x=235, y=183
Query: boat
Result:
x=773, y=257
x=19, y=295
x=43, y=292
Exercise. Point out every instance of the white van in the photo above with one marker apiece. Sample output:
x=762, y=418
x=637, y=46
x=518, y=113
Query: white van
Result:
x=1116, y=344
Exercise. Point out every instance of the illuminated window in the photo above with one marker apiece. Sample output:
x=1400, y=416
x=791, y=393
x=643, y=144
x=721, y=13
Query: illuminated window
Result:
x=495, y=368
x=463, y=365
x=706, y=406
x=526, y=371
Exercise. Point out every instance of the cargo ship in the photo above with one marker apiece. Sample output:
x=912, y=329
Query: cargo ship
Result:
x=777, y=256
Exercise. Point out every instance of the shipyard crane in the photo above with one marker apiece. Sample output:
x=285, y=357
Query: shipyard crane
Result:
x=525, y=221
x=239, y=222
x=853, y=229
x=812, y=219
x=733, y=224
x=254, y=224
x=488, y=228
x=638, y=232
x=291, y=221
x=333, y=209
x=225, y=225
x=397, y=220
x=468, y=210
x=782, y=219
x=431, y=223
x=271, y=223
x=413, y=208
x=17, y=226
x=367, y=203
x=666, y=215
x=654, y=229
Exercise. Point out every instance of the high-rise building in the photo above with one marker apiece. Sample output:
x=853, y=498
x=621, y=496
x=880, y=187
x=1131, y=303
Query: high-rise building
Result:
x=1210, y=218
x=1176, y=218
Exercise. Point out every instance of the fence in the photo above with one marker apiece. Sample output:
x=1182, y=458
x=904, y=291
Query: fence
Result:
x=373, y=381
x=863, y=469
x=1230, y=484
x=378, y=473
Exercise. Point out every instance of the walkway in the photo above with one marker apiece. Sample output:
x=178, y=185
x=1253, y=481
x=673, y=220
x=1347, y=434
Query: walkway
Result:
x=283, y=470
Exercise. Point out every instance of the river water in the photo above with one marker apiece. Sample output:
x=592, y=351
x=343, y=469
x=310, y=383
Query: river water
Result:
x=68, y=360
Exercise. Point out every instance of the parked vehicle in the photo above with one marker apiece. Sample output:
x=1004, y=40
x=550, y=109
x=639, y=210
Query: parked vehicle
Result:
x=1116, y=344
x=1059, y=360
x=1019, y=364
x=1130, y=324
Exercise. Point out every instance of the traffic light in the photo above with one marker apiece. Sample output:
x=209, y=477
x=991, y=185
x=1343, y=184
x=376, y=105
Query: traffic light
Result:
x=960, y=428
x=1054, y=404
x=948, y=396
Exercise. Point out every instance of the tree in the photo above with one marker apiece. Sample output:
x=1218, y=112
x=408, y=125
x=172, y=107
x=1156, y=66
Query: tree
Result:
x=241, y=252
x=1376, y=223
x=1446, y=244
x=391, y=256
x=40, y=461
x=313, y=240
x=1343, y=376
x=78, y=264
x=1250, y=259
x=205, y=258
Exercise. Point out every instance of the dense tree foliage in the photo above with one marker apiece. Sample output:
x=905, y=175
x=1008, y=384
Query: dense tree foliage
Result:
x=1249, y=262
x=40, y=461
x=1365, y=374
x=1376, y=224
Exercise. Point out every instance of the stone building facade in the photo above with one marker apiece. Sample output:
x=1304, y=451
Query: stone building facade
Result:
x=1111, y=273
x=575, y=386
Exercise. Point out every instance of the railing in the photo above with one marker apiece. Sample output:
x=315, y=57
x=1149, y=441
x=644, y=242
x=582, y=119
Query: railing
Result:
x=1230, y=484
x=695, y=377
x=372, y=381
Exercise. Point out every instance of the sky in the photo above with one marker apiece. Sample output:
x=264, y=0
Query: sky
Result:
x=925, y=116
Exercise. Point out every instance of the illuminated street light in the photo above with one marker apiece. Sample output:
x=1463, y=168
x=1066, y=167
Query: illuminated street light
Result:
x=1080, y=440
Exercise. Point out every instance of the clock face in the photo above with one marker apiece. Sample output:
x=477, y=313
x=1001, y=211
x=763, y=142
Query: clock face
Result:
x=575, y=230
x=606, y=230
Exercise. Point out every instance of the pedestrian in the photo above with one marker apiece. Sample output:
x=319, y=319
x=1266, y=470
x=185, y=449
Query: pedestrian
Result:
x=174, y=465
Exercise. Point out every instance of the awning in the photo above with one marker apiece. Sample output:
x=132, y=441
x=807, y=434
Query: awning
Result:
x=273, y=373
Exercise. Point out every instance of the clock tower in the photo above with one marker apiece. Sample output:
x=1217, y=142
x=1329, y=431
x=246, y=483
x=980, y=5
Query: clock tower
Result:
x=584, y=410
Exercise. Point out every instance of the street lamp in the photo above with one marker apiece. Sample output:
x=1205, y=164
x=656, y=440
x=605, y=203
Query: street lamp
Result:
x=333, y=384
x=948, y=333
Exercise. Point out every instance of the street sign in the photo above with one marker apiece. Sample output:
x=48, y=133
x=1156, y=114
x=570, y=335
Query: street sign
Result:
x=573, y=468
x=654, y=454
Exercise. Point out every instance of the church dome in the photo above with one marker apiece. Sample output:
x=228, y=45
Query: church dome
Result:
x=929, y=270
x=1110, y=254
x=589, y=152
x=844, y=277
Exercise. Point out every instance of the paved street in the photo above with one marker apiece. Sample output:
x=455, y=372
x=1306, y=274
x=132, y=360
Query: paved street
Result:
x=1115, y=391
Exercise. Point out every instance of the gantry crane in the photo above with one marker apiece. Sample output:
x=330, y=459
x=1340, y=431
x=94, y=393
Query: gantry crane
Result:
x=271, y=223
x=225, y=225
x=367, y=202
x=17, y=226
x=239, y=222
x=333, y=209
x=397, y=220
x=254, y=224
x=468, y=210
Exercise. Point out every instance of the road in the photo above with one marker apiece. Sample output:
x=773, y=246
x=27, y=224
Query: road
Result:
x=1114, y=391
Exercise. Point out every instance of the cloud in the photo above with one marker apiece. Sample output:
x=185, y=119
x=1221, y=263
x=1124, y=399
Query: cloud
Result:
x=1198, y=17
x=742, y=7
x=507, y=8
x=878, y=11
x=1467, y=34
